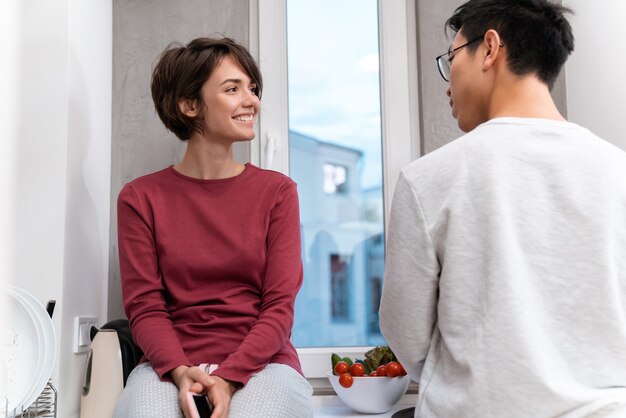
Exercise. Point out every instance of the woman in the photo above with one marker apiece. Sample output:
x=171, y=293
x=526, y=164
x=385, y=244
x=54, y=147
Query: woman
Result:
x=210, y=252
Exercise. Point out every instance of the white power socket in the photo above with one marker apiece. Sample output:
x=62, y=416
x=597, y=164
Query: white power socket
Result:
x=82, y=328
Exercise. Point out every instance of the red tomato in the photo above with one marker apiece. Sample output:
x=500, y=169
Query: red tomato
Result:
x=381, y=370
x=393, y=369
x=402, y=371
x=346, y=380
x=341, y=367
x=357, y=369
x=374, y=374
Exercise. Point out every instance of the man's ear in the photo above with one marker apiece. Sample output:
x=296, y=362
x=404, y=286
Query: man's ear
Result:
x=189, y=107
x=493, y=45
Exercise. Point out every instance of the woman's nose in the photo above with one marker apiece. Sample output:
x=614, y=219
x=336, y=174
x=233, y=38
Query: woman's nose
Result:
x=251, y=99
x=448, y=92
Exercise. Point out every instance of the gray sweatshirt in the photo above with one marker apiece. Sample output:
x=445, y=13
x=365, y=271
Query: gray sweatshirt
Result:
x=505, y=285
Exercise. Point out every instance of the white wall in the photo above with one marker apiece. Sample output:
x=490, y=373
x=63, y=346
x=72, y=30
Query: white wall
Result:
x=40, y=147
x=596, y=85
x=37, y=144
x=89, y=52
x=9, y=15
x=55, y=161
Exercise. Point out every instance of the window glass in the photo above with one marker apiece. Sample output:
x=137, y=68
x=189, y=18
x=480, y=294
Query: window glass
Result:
x=335, y=154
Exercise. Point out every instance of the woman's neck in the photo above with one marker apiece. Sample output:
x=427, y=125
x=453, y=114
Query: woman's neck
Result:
x=208, y=160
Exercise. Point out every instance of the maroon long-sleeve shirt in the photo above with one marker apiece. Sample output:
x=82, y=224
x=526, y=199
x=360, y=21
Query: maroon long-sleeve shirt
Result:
x=210, y=269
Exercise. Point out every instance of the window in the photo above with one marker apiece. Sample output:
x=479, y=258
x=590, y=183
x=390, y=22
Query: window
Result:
x=355, y=140
x=335, y=129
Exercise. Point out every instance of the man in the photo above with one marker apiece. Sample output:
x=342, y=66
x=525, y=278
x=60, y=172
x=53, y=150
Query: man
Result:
x=505, y=288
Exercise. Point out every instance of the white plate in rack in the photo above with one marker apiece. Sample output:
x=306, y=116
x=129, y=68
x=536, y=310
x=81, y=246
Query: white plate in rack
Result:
x=20, y=342
x=47, y=351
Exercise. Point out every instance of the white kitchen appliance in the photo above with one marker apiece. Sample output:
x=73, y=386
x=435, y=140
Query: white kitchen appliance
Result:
x=110, y=360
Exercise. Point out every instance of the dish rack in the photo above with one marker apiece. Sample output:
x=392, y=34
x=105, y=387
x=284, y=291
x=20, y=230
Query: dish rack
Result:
x=44, y=406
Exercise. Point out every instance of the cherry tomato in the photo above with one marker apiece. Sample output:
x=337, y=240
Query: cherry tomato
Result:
x=357, y=369
x=346, y=380
x=341, y=367
x=381, y=370
x=402, y=371
x=393, y=369
x=374, y=374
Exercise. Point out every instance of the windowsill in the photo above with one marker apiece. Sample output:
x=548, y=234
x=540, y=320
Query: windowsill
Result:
x=331, y=406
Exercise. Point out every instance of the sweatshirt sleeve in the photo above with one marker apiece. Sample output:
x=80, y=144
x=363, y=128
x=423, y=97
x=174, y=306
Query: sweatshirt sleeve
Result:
x=142, y=286
x=408, y=311
x=283, y=278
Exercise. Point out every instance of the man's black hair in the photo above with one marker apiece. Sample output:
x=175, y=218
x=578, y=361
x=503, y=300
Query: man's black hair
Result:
x=537, y=36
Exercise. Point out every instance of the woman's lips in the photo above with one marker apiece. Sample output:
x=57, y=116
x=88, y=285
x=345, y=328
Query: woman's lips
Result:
x=244, y=118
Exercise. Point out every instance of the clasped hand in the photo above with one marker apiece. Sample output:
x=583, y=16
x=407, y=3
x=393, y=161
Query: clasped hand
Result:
x=218, y=390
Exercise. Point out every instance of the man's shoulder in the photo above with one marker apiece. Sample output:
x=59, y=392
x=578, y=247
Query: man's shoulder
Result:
x=445, y=156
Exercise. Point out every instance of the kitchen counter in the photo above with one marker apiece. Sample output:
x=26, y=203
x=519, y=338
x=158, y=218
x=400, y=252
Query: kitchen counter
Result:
x=332, y=407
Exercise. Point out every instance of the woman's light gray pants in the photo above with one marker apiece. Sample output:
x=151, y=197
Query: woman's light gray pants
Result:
x=278, y=391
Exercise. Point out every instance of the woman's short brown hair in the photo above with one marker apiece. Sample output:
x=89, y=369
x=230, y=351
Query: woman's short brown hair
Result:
x=181, y=71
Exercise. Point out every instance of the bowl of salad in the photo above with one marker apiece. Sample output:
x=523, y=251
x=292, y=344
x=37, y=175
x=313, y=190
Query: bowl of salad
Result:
x=372, y=385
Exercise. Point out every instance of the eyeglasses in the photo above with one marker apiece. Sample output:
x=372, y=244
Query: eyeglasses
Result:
x=443, y=60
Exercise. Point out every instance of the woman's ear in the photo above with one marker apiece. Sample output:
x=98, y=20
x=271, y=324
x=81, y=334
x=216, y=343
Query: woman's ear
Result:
x=189, y=107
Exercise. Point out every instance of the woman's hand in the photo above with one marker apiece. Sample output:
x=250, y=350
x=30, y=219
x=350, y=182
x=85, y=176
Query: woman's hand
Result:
x=184, y=377
x=218, y=390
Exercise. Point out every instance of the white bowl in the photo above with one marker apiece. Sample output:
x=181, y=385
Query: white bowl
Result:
x=371, y=395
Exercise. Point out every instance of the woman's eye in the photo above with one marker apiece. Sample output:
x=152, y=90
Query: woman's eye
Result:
x=231, y=90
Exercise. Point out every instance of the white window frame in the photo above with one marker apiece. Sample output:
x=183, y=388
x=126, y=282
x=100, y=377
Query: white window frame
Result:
x=399, y=111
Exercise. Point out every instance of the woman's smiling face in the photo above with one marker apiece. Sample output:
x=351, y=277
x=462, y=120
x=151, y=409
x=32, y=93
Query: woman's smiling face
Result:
x=230, y=104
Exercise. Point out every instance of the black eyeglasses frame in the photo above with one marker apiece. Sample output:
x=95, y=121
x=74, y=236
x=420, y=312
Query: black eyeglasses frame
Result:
x=441, y=61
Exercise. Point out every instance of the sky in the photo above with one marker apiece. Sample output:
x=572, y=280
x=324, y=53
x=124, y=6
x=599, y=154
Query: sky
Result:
x=334, y=88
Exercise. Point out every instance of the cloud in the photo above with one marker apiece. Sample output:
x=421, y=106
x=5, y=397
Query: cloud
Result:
x=369, y=63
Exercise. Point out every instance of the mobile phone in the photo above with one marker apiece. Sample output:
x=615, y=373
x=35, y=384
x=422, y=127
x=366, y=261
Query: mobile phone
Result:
x=199, y=405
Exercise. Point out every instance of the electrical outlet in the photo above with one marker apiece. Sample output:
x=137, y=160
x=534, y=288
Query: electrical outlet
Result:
x=82, y=327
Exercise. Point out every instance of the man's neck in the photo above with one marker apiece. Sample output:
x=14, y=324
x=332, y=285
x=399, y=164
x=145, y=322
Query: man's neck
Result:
x=523, y=97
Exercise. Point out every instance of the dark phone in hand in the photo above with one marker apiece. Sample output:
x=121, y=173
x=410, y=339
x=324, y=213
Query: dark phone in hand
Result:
x=202, y=405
